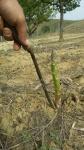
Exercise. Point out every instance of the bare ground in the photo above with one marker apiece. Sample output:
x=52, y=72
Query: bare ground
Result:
x=26, y=120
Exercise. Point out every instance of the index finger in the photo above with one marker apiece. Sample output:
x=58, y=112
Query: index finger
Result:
x=1, y=25
x=21, y=28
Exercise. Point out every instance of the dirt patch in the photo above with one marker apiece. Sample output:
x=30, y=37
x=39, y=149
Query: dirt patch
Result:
x=26, y=120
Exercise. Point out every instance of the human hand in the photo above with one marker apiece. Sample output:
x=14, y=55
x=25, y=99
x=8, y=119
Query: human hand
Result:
x=12, y=23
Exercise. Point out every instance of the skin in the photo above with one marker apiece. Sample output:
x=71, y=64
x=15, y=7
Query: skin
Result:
x=12, y=23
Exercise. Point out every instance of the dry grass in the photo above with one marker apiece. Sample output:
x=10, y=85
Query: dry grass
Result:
x=21, y=106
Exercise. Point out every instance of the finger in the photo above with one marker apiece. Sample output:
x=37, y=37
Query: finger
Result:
x=16, y=46
x=21, y=30
x=1, y=25
x=7, y=33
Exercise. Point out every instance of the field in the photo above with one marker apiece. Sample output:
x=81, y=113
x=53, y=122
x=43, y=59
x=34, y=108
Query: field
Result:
x=53, y=26
x=27, y=122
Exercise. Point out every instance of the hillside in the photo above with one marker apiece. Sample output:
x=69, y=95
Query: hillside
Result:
x=53, y=26
x=76, y=27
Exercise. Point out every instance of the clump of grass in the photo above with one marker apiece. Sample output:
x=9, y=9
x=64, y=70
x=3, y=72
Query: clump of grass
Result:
x=56, y=79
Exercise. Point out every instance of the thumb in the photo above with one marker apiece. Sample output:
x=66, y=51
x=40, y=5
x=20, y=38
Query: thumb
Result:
x=7, y=33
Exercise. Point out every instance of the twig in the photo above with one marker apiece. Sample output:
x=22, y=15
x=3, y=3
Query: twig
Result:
x=40, y=75
x=75, y=128
x=30, y=50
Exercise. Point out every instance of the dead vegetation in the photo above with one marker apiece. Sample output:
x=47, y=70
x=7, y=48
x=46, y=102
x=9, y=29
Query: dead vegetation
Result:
x=26, y=120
